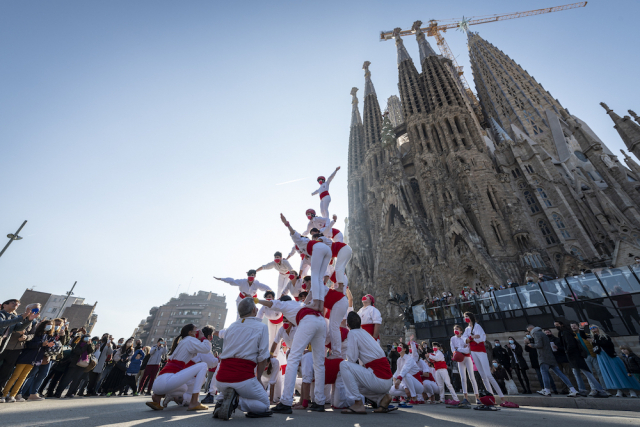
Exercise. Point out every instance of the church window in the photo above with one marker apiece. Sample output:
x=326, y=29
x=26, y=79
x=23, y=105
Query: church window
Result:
x=529, y=168
x=546, y=232
x=560, y=224
x=529, y=117
x=631, y=179
x=557, y=257
x=580, y=155
x=531, y=201
x=516, y=173
x=544, y=197
x=576, y=253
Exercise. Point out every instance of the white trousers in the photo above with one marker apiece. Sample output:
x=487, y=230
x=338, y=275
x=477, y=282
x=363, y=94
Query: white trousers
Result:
x=482, y=363
x=283, y=280
x=305, y=265
x=273, y=330
x=339, y=397
x=414, y=386
x=212, y=385
x=466, y=367
x=442, y=378
x=306, y=368
x=324, y=206
x=253, y=396
x=335, y=318
x=344, y=255
x=167, y=383
x=430, y=387
x=359, y=381
x=311, y=330
x=319, y=262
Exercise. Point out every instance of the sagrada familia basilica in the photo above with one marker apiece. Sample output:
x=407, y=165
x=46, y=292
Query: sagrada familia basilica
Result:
x=480, y=191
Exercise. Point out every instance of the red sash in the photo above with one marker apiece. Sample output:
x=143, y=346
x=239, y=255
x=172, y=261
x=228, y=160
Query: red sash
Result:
x=381, y=368
x=331, y=298
x=418, y=376
x=172, y=367
x=430, y=377
x=334, y=278
x=335, y=248
x=235, y=370
x=310, y=246
x=305, y=312
x=440, y=365
x=344, y=332
x=478, y=347
x=243, y=296
x=331, y=369
x=369, y=327
x=323, y=194
x=335, y=231
x=283, y=368
x=278, y=320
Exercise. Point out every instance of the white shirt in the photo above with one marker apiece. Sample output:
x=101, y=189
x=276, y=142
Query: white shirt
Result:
x=325, y=185
x=275, y=370
x=301, y=243
x=246, y=338
x=361, y=345
x=245, y=287
x=283, y=268
x=189, y=347
x=208, y=358
x=293, y=289
x=269, y=313
x=316, y=222
x=458, y=344
x=370, y=314
x=477, y=330
x=414, y=351
x=282, y=335
x=436, y=356
x=422, y=365
x=289, y=308
x=408, y=368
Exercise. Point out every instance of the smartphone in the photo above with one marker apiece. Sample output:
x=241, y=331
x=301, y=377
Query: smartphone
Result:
x=35, y=310
x=583, y=324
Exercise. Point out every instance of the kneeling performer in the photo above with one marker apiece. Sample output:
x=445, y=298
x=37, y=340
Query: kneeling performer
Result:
x=246, y=345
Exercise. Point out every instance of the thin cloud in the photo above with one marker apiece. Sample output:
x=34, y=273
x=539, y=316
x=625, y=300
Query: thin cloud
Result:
x=289, y=182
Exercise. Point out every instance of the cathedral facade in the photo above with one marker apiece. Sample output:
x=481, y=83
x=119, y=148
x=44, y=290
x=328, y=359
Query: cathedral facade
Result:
x=480, y=191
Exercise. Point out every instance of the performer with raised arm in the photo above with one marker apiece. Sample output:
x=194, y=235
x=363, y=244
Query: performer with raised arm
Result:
x=176, y=374
x=245, y=351
x=249, y=287
x=442, y=375
x=372, y=377
x=328, y=231
x=311, y=330
x=320, y=256
x=325, y=198
x=458, y=345
x=474, y=336
x=274, y=317
x=316, y=222
x=283, y=267
x=371, y=317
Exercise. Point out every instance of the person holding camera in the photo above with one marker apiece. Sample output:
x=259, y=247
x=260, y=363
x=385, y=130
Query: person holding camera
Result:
x=76, y=362
x=156, y=354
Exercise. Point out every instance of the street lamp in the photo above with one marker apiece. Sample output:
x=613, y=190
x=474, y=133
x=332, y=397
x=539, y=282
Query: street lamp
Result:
x=13, y=237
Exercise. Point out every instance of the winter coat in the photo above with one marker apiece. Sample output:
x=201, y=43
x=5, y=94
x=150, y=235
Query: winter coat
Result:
x=515, y=355
x=11, y=323
x=543, y=345
x=631, y=362
x=501, y=355
x=560, y=355
x=106, y=350
x=78, y=350
x=605, y=344
x=500, y=374
x=575, y=352
x=134, y=365
x=533, y=355
x=34, y=351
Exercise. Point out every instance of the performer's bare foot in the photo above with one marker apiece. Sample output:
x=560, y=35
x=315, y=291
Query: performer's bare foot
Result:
x=356, y=408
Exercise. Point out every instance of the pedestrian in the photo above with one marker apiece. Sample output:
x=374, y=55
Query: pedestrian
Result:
x=76, y=361
x=631, y=362
x=518, y=364
x=104, y=350
x=611, y=366
x=13, y=334
x=40, y=372
x=156, y=354
x=143, y=366
x=561, y=357
x=500, y=374
x=129, y=379
x=122, y=357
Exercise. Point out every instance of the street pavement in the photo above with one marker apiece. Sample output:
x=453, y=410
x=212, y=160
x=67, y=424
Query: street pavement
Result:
x=132, y=411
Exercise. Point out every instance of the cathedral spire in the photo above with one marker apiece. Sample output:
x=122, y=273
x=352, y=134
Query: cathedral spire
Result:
x=627, y=129
x=501, y=135
x=368, y=84
x=634, y=115
x=355, y=112
x=423, y=44
x=633, y=165
x=403, y=55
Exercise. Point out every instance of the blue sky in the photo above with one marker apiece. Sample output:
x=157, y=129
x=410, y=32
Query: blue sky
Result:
x=144, y=140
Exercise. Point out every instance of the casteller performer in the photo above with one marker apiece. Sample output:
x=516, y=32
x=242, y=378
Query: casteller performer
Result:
x=325, y=198
x=283, y=268
x=249, y=287
x=370, y=316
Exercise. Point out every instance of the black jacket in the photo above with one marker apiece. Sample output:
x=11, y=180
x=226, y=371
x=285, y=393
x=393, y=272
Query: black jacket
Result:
x=632, y=363
x=574, y=350
x=605, y=344
x=516, y=357
x=533, y=355
x=501, y=355
x=560, y=355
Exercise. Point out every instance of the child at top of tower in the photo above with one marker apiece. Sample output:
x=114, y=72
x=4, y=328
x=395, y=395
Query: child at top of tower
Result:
x=325, y=198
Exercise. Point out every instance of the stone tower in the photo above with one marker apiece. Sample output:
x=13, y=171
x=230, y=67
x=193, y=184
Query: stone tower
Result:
x=457, y=204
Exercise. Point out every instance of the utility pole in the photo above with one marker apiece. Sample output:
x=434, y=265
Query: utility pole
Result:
x=13, y=237
x=66, y=299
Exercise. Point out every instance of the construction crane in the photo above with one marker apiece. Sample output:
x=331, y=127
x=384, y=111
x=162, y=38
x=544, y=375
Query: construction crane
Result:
x=435, y=30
